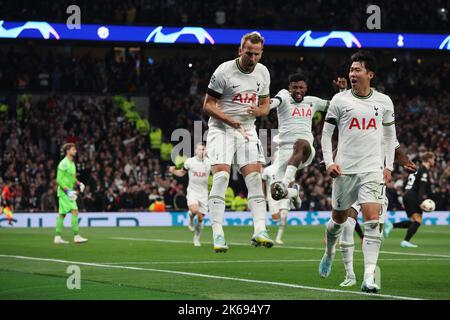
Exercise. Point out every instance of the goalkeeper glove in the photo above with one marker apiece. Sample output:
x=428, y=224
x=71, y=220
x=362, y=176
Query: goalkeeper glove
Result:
x=71, y=194
x=81, y=186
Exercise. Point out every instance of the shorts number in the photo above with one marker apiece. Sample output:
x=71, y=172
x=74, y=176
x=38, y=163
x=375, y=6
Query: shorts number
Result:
x=383, y=190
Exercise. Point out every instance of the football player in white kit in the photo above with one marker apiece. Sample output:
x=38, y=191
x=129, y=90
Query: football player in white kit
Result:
x=364, y=118
x=237, y=93
x=347, y=243
x=279, y=209
x=295, y=149
x=199, y=169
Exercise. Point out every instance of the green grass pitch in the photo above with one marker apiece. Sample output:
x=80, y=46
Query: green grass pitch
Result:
x=162, y=263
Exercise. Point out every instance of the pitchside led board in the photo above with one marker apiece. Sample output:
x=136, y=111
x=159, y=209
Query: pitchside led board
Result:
x=210, y=36
x=169, y=219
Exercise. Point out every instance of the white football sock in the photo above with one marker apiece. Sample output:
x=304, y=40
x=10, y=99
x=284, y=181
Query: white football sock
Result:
x=289, y=175
x=216, y=201
x=333, y=232
x=371, y=246
x=199, y=229
x=283, y=219
x=348, y=246
x=256, y=200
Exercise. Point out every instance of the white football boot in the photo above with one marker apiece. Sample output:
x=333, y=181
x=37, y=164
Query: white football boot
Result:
x=59, y=240
x=79, y=239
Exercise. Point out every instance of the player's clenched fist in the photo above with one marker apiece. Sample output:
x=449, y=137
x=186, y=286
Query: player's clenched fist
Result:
x=334, y=170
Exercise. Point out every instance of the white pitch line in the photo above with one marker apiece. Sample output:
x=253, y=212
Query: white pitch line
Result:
x=200, y=275
x=286, y=247
x=255, y=261
x=212, y=261
x=434, y=231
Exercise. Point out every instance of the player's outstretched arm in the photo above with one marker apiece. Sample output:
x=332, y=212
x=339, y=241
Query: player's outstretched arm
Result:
x=275, y=102
x=178, y=173
x=327, y=148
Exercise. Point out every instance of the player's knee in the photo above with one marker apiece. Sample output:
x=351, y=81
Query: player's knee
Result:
x=339, y=216
x=301, y=145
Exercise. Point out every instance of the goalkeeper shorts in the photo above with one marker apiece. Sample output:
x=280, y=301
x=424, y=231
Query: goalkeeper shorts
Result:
x=65, y=205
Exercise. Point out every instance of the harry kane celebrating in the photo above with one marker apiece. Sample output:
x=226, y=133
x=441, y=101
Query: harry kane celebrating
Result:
x=364, y=118
x=237, y=93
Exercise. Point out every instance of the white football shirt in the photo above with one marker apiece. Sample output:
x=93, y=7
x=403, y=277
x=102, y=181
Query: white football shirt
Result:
x=295, y=118
x=237, y=90
x=360, y=123
x=198, y=171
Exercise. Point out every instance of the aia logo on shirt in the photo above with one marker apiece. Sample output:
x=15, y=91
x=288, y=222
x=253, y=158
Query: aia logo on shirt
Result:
x=301, y=112
x=245, y=98
x=363, y=124
x=199, y=174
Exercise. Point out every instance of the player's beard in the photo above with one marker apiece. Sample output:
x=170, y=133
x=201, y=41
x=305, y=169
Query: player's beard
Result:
x=249, y=65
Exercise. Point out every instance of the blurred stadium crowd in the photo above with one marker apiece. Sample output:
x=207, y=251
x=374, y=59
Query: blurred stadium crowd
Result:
x=423, y=16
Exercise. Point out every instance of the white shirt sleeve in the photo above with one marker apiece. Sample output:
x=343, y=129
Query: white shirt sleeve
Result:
x=389, y=135
x=265, y=87
x=217, y=82
x=276, y=101
x=327, y=145
x=320, y=104
x=187, y=164
x=331, y=121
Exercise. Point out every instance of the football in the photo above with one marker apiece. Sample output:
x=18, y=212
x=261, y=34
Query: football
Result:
x=428, y=205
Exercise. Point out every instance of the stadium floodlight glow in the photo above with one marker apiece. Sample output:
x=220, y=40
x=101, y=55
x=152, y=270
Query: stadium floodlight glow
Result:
x=151, y=35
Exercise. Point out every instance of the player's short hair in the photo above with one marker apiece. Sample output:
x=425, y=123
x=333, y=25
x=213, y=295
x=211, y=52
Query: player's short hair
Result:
x=370, y=63
x=296, y=77
x=67, y=146
x=427, y=156
x=254, y=37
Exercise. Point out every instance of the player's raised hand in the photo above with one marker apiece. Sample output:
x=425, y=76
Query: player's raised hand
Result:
x=410, y=167
x=172, y=169
x=334, y=170
x=387, y=175
x=341, y=83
